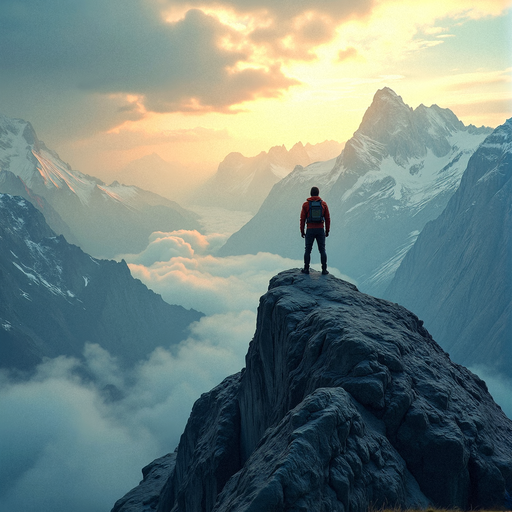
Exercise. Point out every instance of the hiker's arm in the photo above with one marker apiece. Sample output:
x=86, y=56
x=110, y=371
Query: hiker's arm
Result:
x=303, y=216
x=327, y=218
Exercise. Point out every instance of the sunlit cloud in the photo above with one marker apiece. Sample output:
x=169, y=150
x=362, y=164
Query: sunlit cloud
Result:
x=181, y=266
x=347, y=54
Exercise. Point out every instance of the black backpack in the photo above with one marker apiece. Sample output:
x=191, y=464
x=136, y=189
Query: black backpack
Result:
x=315, y=212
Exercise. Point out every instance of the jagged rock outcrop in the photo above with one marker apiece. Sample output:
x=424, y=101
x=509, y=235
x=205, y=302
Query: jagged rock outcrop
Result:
x=458, y=274
x=146, y=495
x=54, y=298
x=346, y=402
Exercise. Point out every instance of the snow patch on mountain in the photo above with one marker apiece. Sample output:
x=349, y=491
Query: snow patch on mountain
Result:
x=28, y=158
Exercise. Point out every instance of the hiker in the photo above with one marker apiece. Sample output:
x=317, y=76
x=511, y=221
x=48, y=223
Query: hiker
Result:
x=314, y=212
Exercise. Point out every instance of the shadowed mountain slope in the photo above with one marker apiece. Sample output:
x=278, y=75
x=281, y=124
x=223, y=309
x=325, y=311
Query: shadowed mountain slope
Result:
x=54, y=298
x=458, y=274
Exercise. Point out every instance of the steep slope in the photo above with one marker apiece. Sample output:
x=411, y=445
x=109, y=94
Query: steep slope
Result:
x=395, y=174
x=14, y=186
x=54, y=297
x=106, y=220
x=346, y=402
x=458, y=274
x=243, y=183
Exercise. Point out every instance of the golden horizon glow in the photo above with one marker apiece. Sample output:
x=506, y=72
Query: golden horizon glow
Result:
x=395, y=45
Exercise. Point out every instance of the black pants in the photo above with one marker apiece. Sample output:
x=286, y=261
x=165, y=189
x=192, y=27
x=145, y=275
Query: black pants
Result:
x=317, y=234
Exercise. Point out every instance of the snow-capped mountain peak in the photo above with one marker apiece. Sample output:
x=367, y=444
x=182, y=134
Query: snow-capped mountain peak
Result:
x=23, y=154
x=105, y=219
x=395, y=174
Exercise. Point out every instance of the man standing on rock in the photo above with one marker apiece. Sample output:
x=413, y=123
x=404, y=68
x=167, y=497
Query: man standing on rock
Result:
x=314, y=213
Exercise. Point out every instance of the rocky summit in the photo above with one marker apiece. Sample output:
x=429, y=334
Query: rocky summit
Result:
x=346, y=402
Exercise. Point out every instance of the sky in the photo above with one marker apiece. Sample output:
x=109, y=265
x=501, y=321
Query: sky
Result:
x=107, y=82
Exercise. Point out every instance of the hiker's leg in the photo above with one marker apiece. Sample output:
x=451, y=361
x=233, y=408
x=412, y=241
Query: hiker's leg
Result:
x=320, y=240
x=310, y=238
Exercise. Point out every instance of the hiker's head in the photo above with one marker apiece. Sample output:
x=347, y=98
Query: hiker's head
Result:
x=315, y=191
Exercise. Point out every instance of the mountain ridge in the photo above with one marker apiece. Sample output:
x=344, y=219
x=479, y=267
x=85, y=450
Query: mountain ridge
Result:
x=242, y=183
x=54, y=298
x=106, y=220
x=381, y=192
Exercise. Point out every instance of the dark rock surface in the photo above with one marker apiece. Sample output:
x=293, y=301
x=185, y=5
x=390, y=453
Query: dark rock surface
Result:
x=54, y=298
x=458, y=275
x=14, y=186
x=146, y=496
x=346, y=402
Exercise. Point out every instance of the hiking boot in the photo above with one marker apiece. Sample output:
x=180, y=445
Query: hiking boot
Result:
x=305, y=270
x=325, y=271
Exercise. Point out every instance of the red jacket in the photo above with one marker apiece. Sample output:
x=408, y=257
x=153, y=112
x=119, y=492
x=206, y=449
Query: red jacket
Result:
x=304, y=215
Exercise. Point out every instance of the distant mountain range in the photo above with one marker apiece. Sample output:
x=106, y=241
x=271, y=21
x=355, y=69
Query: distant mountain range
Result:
x=168, y=179
x=395, y=174
x=54, y=298
x=105, y=220
x=243, y=183
x=458, y=275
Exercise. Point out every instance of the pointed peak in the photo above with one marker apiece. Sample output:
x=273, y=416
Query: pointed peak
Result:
x=387, y=94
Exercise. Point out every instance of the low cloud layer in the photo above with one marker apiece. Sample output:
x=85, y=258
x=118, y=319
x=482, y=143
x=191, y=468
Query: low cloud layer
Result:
x=76, y=435
x=180, y=266
x=70, y=442
x=66, y=444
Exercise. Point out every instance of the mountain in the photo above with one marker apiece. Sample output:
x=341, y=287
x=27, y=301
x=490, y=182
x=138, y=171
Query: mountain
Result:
x=153, y=173
x=14, y=186
x=54, y=298
x=346, y=403
x=395, y=174
x=458, y=274
x=106, y=220
x=242, y=183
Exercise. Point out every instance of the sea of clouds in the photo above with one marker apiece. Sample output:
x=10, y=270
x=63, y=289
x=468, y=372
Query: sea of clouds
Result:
x=77, y=433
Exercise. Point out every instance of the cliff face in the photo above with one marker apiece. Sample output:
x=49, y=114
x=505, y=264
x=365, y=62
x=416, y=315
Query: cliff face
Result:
x=458, y=274
x=345, y=402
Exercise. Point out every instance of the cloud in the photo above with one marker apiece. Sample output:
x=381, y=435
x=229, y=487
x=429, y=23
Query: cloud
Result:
x=70, y=443
x=180, y=266
x=123, y=53
x=347, y=54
